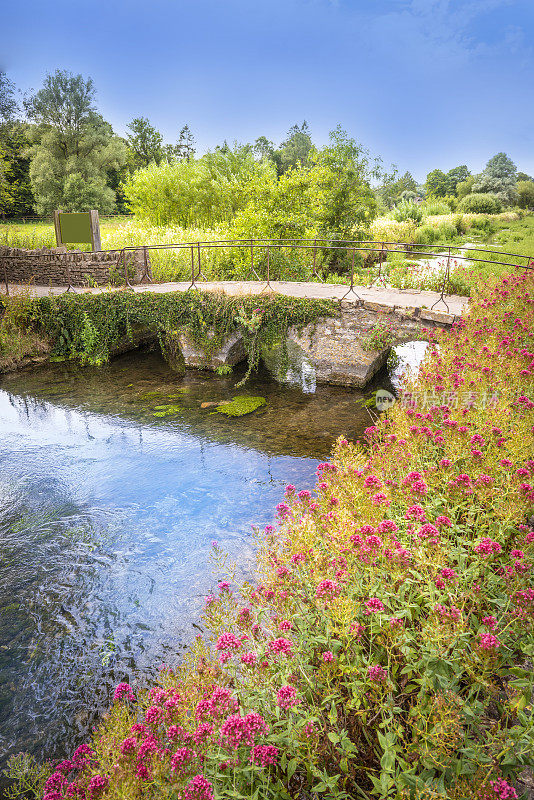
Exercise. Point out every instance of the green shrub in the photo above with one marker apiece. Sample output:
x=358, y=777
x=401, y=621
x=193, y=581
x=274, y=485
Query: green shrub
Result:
x=460, y=223
x=481, y=204
x=426, y=234
x=525, y=190
x=406, y=210
x=433, y=207
x=483, y=224
x=447, y=231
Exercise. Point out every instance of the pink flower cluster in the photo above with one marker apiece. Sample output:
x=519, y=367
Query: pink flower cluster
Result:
x=238, y=730
x=487, y=547
x=264, y=755
x=198, y=788
x=286, y=697
x=281, y=645
x=122, y=691
x=503, y=790
x=219, y=703
x=327, y=589
x=182, y=758
x=451, y=614
x=487, y=641
x=373, y=606
x=377, y=673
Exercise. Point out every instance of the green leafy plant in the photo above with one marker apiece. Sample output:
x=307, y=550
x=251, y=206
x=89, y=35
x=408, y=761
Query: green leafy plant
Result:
x=381, y=336
x=27, y=777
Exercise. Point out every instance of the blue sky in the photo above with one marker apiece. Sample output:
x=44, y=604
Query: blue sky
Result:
x=422, y=83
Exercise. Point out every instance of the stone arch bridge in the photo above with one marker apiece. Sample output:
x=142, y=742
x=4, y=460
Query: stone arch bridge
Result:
x=333, y=349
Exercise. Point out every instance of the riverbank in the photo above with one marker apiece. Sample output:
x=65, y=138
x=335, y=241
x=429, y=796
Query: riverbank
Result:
x=384, y=651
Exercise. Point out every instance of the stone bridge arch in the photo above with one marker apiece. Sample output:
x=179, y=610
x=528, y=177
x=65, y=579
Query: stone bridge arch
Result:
x=331, y=350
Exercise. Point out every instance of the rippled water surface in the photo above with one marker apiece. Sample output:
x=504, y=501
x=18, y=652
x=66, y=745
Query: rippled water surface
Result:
x=107, y=514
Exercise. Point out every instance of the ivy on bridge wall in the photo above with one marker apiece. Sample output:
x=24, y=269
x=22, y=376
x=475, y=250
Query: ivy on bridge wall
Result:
x=88, y=327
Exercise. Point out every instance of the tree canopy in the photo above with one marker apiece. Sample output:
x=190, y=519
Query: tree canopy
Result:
x=72, y=146
x=498, y=178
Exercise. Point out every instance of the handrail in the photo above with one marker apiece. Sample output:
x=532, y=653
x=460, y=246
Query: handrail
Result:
x=349, y=246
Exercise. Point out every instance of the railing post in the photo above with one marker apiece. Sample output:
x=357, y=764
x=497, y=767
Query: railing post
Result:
x=145, y=273
x=252, y=257
x=192, y=267
x=69, y=287
x=351, y=287
x=5, y=277
x=441, y=298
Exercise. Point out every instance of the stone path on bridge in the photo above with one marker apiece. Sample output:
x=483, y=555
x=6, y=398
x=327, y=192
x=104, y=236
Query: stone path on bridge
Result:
x=376, y=298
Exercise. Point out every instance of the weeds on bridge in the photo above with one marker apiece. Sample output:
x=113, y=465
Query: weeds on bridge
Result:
x=385, y=649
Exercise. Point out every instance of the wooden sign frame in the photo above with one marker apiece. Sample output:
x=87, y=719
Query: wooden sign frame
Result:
x=93, y=228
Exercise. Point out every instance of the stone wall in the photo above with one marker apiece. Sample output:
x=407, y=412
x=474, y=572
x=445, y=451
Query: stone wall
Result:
x=61, y=267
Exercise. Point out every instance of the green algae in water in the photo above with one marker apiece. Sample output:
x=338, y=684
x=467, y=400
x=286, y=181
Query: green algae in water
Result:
x=239, y=406
x=166, y=411
x=159, y=395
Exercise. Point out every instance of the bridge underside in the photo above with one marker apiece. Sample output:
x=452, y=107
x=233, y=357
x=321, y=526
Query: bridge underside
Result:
x=334, y=350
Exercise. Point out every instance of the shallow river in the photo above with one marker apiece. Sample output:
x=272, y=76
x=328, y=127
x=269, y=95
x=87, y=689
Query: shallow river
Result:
x=107, y=515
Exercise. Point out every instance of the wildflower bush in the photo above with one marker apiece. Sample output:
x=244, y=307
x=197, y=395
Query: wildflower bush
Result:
x=385, y=650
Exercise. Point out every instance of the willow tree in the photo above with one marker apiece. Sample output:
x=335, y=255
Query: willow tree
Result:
x=73, y=147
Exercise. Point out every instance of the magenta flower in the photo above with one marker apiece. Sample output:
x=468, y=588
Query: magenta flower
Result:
x=124, y=690
x=328, y=656
x=327, y=589
x=373, y=606
x=488, y=642
x=377, y=673
x=264, y=755
x=286, y=697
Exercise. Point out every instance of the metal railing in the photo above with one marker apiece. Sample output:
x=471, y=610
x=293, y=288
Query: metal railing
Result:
x=259, y=263
x=316, y=246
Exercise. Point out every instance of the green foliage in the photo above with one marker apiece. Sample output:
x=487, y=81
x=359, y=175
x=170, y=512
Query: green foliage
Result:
x=380, y=337
x=481, y=204
x=465, y=187
x=426, y=234
x=8, y=104
x=72, y=147
x=525, y=192
x=88, y=327
x=498, y=178
x=296, y=148
x=203, y=191
x=16, y=197
x=145, y=142
x=331, y=198
x=447, y=231
x=434, y=207
x=27, y=778
x=441, y=184
x=239, y=406
x=18, y=338
x=185, y=147
x=392, y=189
x=407, y=210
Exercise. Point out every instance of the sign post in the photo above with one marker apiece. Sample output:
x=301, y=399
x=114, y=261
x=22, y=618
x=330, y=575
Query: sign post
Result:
x=78, y=228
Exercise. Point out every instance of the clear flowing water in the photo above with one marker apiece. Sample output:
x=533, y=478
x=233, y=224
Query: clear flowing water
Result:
x=107, y=515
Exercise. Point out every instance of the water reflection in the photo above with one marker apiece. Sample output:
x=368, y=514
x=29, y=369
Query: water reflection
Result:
x=107, y=515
